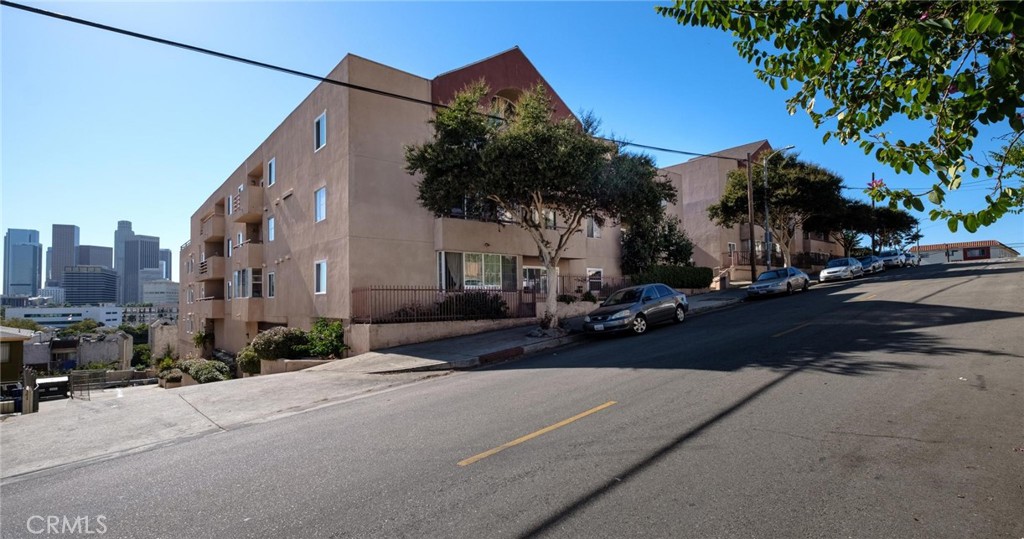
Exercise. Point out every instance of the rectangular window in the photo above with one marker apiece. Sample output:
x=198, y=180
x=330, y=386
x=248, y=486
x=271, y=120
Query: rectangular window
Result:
x=593, y=229
x=228, y=295
x=271, y=172
x=270, y=229
x=271, y=284
x=320, y=204
x=477, y=270
x=595, y=279
x=550, y=221
x=535, y=279
x=5, y=352
x=230, y=247
x=320, y=132
x=320, y=277
x=228, y=204
x=240, y=242
x=241, y=283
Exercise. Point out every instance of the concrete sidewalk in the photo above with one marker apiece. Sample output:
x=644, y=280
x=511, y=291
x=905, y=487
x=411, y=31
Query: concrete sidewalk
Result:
x=119, y=421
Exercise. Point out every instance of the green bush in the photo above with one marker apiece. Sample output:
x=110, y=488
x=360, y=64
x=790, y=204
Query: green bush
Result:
x=209, y=371
x=172, y=375
x=566, y=298
x=473, y=306
x=141, y=355
x=326, y=339
x=281, y=343
x=678, y=276
x=588, y=296
x=166, y=364
x=248, y=361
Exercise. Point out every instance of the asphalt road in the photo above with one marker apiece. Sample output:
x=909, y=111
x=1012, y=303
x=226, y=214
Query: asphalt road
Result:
x=887, y=407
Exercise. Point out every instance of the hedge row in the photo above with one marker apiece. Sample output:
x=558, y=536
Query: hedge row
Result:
x=678, y=276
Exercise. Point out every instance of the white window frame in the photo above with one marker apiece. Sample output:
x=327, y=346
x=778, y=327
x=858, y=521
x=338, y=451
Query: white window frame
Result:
x=320, y=210
x=230, y=247
x=590, y=282
x=593, y=229
x=271, y=284
x=320, y=277
x=230, y=204
x=320, y=131
x=271, y=171
x=270, y=228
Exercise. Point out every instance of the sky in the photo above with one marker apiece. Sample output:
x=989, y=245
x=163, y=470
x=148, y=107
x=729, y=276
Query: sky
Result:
x=97, y=127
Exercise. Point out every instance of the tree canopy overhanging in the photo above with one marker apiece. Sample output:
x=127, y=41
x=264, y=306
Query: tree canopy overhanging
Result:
x=855, y=65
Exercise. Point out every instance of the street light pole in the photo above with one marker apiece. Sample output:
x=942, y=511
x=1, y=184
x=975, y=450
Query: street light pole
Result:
x=750, y=219
x=767, y=228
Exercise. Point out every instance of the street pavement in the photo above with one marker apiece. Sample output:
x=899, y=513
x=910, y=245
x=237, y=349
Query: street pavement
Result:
x=883, y=407
x=117, y=421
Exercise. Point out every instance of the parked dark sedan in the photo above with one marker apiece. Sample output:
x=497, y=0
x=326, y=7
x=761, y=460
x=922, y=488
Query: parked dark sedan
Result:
x=636, y=308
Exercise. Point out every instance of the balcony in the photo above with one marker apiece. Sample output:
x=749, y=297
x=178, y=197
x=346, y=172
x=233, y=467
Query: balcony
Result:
x=212, y=228
x=211, y=269
x=247, y=255
x=247, y=309
x=208, y=308
x=247, y=205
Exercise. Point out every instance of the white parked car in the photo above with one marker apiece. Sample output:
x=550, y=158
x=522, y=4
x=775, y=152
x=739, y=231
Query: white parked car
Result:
x=893, y=259
x=841, y=268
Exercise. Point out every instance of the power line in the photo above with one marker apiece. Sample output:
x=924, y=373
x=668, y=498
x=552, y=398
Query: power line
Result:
x=297, y=73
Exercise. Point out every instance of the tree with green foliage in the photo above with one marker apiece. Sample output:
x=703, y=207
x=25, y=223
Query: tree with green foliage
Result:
x=78, y=328
x=139, y=332
x=21, y=323
x=141, y=355
x=954, y=65
x=851, y=219
x=894, y=227
x=656, y=239
x=798, y=192
x=530, y=170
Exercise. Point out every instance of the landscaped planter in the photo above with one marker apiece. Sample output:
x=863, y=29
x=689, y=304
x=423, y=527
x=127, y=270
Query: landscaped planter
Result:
x=186, y=380
x=276, y=366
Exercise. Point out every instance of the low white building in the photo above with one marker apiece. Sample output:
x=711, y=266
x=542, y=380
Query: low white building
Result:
x=941, y=253
x=162, y=292
x=62, y=317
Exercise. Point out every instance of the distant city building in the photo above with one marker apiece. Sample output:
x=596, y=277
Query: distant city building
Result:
x=90, y=285
x=165, y=264
x=54, y=293
x=14, y=301
x=65, y=251
x=95, y=255
x=941, y=253
x=160, y=292
x=121, y=235
x=48, y=273
x=23, y=262
x=147, y=314
x=61, y=317
x=140, y=253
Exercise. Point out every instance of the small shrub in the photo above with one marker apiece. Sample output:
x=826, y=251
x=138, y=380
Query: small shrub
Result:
x=98, y=366
x=173, y=375
x=209, y=371
x=473, y=306
x=588, y=296
x=280, y=343
x=413, y=311
x=566, y=298
x=248, y=361
x=166, y=364
x=326, y=338
x=141, y=356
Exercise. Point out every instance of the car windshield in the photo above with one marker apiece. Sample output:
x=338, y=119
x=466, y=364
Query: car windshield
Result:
x=624, y=297
x=865, y=259
x=771, y=275
x=838, y=263
x=890, y=253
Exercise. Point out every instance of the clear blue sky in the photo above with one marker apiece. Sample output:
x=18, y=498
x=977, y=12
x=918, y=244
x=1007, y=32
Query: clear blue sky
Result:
x=98, y=127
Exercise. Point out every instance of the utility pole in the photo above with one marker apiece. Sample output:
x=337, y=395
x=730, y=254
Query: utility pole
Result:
x=750, y=218
x=873, y=216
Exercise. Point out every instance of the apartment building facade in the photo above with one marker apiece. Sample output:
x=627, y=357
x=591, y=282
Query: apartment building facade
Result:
x=324, y=207
x=700, y=183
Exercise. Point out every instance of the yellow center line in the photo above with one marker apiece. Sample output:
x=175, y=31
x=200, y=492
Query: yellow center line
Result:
x=533, y=435
x=872, y=296
x=792, y=329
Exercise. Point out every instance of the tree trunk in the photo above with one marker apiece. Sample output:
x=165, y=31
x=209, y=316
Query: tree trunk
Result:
x=550, y=319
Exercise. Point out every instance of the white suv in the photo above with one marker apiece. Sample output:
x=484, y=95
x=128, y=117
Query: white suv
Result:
x=893, y=259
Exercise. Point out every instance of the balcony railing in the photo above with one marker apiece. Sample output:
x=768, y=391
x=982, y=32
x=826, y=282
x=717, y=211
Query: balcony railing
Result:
x=212, y=228
x=211, y=269
x=247, y=205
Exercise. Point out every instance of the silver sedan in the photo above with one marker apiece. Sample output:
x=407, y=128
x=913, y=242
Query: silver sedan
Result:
x=778, y=281
x=841, y=268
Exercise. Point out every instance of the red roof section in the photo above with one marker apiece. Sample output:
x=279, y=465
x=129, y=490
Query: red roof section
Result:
x=509, y=69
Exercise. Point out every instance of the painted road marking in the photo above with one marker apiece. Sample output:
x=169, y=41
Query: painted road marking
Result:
x=533, y=435
x=872, y=296
x=792, y=329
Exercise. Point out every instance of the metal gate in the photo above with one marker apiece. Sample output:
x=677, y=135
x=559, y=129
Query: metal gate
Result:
x=84, y=382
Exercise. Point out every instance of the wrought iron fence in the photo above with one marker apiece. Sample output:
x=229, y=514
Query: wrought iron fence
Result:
x=384, y=304
x=577, y=285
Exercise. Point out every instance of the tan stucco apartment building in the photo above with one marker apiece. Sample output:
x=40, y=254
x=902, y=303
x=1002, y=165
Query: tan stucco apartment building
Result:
x=700, y=183
x=324, y=207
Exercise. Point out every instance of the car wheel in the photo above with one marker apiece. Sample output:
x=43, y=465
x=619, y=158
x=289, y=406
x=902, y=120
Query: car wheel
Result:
x=806, y=284
x=680, y=314
x=789, y=289
x=639, y=326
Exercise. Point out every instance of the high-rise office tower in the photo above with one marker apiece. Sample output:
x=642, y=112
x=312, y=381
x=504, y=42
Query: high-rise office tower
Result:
x=65, y=251
x=140, y=253
x=165, y=263
x=23, y=260
x=122, y=234
x=90, y=285
x=94, y=255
